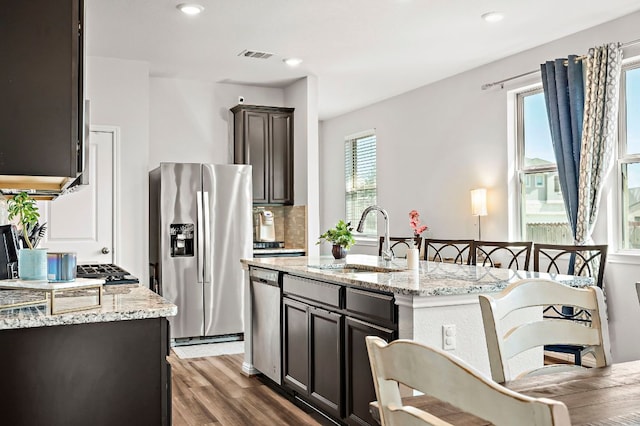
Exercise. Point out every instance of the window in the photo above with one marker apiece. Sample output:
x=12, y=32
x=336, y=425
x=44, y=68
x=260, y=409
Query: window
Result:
x=543, y=218
x=360, y=179
x=629, y=155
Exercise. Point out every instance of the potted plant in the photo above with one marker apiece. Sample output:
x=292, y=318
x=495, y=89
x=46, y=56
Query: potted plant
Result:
x=341, y=238
x=32, y=262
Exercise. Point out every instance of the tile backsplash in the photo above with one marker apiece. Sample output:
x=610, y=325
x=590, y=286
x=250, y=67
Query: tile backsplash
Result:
x=290, y=224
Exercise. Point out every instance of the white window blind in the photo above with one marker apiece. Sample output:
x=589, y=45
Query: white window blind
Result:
x=360, y=179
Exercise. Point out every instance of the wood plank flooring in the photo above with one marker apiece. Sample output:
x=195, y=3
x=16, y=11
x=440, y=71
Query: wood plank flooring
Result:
x=213, y=391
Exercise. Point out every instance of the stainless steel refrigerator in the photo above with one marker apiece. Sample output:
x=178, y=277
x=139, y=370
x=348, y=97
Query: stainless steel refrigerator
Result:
x=200, y=226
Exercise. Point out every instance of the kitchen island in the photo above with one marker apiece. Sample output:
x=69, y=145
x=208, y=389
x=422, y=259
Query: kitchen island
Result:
x=329, y=306
x=101, y=366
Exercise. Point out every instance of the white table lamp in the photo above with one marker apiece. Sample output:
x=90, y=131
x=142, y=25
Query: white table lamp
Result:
x=479, y=205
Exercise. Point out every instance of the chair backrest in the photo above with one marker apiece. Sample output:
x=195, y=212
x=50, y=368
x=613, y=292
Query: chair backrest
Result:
x=449, y=379
x=400, y=245
x=511, y=255
x=455, y=251
x=553, y=258
x=532, y=331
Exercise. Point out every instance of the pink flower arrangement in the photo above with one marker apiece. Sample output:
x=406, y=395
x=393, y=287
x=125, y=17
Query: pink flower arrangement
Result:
x=414, y=222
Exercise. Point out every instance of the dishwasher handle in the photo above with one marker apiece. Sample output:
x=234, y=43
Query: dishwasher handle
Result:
x=265, y=276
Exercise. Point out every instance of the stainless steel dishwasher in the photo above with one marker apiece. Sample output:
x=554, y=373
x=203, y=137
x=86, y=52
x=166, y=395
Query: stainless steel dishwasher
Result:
x=265, y=322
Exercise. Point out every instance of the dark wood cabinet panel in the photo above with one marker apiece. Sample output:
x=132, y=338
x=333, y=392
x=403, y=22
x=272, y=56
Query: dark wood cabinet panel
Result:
x=256, y=127
x=263, y=137
x=108, y=373
x=370, y=306
x=295, y=353
x=360, y=390
x=325, y=384
x=41, y=81
x=281, y=159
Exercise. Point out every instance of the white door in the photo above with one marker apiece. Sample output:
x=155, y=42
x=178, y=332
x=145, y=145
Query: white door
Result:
x=82, y=221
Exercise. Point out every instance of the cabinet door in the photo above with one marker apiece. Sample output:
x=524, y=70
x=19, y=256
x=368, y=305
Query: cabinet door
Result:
x=295, y=342
x=360, y=390
x=257, y=152
x=41, y=87
x=281, y=175
x=325, y=386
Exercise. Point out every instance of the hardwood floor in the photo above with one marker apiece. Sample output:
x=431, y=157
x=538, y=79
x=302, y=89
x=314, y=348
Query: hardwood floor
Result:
x=213, y=391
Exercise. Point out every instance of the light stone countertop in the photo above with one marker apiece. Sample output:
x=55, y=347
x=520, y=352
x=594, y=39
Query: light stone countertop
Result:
x=119, y=303
x=432, y=278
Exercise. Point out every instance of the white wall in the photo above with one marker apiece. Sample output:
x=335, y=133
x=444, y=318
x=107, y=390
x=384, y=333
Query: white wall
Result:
x=438, y=142
x=119, y=94
x=303, y=96
x=190, y=120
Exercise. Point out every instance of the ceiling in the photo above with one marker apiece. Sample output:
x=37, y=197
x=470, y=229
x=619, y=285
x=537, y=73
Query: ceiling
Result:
x=361, y=51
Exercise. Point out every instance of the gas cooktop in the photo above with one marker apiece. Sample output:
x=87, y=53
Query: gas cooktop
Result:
x=111, y=273
x=268, y=244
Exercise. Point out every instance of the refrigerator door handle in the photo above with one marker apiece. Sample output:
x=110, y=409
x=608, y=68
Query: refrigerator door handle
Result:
x=200, y=259
x=206, y=269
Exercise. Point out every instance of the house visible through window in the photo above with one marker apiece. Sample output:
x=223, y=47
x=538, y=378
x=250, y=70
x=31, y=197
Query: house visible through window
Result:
x=629, y=155
x=543, y=218
x=360, y=179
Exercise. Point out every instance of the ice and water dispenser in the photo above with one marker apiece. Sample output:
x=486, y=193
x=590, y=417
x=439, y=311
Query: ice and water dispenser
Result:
x=182, y=242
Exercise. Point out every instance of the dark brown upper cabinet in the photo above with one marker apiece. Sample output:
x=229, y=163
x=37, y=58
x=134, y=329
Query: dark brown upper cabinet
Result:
x=263, y=138
x=42, y=107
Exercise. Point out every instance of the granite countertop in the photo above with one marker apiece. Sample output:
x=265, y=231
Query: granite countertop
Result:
x=431, y=279
x=119, y=303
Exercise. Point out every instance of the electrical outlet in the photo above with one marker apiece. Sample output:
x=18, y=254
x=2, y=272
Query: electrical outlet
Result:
x=448, y=337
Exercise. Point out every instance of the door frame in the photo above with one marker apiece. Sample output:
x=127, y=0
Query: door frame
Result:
x=115, y=182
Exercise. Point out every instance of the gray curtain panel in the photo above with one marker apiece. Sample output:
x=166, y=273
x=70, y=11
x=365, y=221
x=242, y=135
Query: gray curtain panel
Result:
x=564, y=97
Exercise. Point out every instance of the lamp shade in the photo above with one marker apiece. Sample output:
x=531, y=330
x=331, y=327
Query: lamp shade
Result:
x=479, y=202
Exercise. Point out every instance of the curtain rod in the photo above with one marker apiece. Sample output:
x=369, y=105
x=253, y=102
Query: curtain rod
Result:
x=501, y=82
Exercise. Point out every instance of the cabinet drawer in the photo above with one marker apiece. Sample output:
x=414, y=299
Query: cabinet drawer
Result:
x=325, y=293
x=374, y=306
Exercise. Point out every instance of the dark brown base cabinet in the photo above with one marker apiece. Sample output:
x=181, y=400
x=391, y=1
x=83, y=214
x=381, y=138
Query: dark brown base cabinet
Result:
x=108, y=373
x=358, y=379
x=312, y=361
x=295, y=360
x=325, y=360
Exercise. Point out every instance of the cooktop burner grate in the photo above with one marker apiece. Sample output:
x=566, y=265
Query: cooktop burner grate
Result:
x=111, y=273
x=268, y=244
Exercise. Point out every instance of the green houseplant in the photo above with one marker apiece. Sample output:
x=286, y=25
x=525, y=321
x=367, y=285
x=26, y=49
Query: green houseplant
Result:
x=341, y=238
x=32, y=262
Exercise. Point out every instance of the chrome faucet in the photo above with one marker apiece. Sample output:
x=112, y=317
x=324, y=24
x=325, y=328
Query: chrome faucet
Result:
x=387, y=254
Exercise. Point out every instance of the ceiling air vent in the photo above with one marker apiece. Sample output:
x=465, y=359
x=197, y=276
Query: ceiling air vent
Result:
x=255, y=54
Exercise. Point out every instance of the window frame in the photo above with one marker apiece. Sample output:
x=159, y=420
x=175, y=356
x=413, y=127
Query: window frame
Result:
x=622, y=158
x=521, y=170
x=366, y=238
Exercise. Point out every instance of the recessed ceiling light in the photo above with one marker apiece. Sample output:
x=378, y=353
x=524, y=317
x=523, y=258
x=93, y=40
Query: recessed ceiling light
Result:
x=493, y=16
x=190, y=8
x=293, y=62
